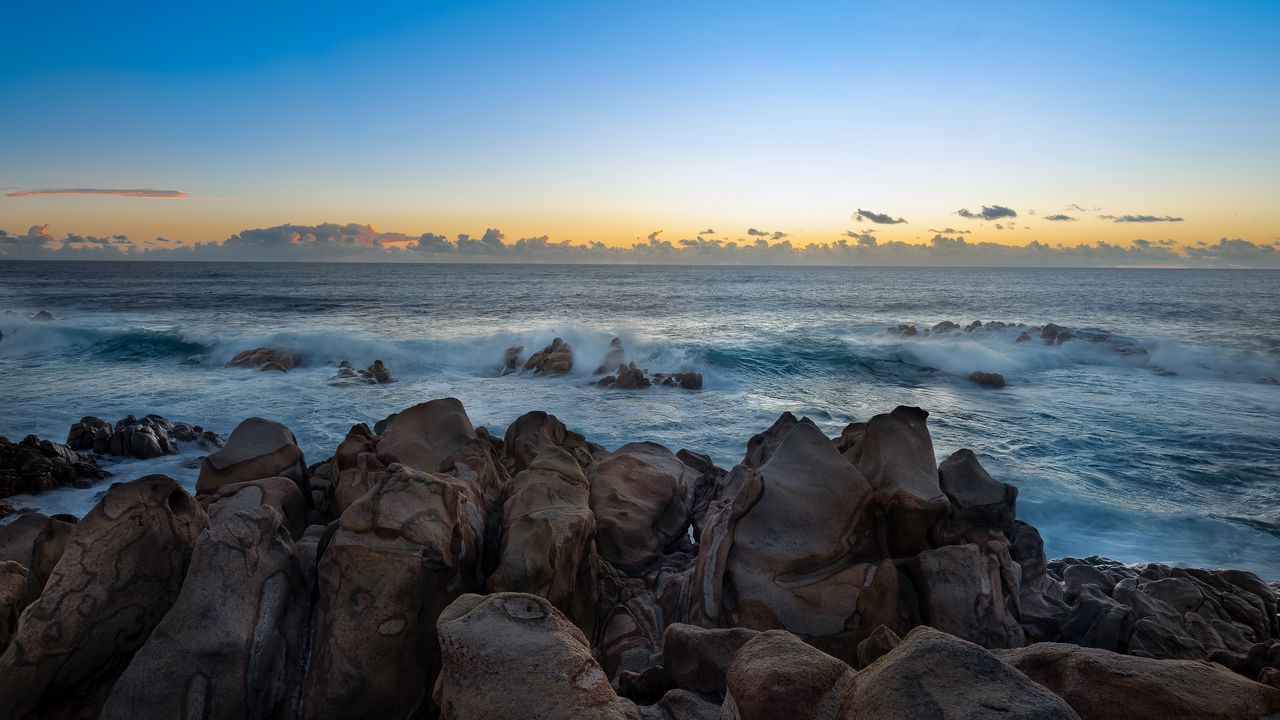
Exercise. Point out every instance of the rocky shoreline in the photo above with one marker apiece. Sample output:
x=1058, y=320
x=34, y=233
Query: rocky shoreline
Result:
x=430, y=568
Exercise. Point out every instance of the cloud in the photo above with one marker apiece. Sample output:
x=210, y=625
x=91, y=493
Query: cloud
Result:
x=949, y=231
x=356, y=242
x=708, y=231
x=994, y=212
x=654, y=235
x=757, y=233
x=137, y=193
x=1140, y=218
x=1059, y=218
x=1077, y=208
x=875, y=217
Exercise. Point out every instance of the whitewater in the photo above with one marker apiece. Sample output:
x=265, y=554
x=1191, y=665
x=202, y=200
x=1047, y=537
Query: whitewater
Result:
x=1150, y=436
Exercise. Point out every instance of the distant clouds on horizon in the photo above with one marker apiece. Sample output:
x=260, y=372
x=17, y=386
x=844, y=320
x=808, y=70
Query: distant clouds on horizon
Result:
x=355, y=242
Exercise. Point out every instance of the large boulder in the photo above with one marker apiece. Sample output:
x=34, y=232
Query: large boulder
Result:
x=423, y=436
x=894, y=452
x=36, y=542
x=697, y=658
x=400, y=554
x=514, y=656
x=931, y=674
x=232, y=642
x=547, y=545
x=33, y=465
x=280, y=493
x=256, y=449
x=355, y=468
x=970, y=591
x=145, y=438
x=13, y=598
x=121, y=572
x=977, y=500
x=267, y=359
x=534, y=432
x=641, y=495
x=1103, y=685
x=776, y=675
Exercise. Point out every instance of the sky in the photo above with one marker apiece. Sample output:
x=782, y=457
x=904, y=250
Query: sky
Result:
x=951, y=133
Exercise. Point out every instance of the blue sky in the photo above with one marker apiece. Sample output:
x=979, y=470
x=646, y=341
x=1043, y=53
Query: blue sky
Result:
x=604, y=122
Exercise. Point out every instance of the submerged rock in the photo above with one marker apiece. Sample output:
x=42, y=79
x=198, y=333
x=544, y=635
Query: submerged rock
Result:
x=267, y=359
x=987, y=379
x=43, y=316
x=375, y=374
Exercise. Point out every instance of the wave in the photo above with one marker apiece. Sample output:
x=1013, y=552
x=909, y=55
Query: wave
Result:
x=862, y=352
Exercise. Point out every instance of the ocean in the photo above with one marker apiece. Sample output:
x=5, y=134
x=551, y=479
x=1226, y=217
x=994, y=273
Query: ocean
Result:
x=1150, y=436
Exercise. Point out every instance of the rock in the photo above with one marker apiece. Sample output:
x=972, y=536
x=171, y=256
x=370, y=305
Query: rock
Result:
x=534, y=432
x=424, y=435
x=944, y=326
x=776, y=675
x=1052, y=334
x=145, y=438
x=231, y=654
x=376, y=374
x=697, y=658
x=547, y=545
x=14, y=581
x=1095, y=620
x=684, y=380
x=970, y=592
x=1103, y=685
x=34, y=466
x=977, y=500
x=512, y=655
x=256, y=449
x=400, y=554
x=121, y=572
x=615, y=359
x=511, y=359
x=90, y=434
x=682, y=705
x=267, y=359
x=279, y=493
x=43, y=316
x=976, y=324
x=641, y=495
x=933, y=675
x=877, y=645
x=894, y=452
x=36, y=542
x=355, y=468
x=1041, y=599
x=554, y=359
x=987, y=379
x=1023, y=336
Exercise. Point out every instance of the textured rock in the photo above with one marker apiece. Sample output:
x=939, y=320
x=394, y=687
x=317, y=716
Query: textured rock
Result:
x=534, y=432
x=1102, y=685
x=14, y=579
x=987, y=379
x=280, y=493
x=423, y=436
x=36, y=542
x=267, y=359
x=547, y=546
x=512, y=655
x=400, y=554
x=776, y=675
x=34, y=466
x=934, y=675
x=256, y=449
x=697, y=658
x=978, y=501
x=641, y=496
x=355, y=468
x=965, y=590
x=233, y=639
x=877, y=645
x=894, y=453
x=120, y=573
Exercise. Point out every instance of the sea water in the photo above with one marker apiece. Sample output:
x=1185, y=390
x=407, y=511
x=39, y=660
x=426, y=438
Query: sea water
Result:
x=1157, y=442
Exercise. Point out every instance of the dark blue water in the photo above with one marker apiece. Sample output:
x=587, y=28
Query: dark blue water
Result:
x=1157, y=443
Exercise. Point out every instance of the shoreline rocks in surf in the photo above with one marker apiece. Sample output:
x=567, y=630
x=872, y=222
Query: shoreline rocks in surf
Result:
x=33, y=465
x=267, y=359
x=145, y=438
x=375, y=374
x=619, y=372
x=431, y=566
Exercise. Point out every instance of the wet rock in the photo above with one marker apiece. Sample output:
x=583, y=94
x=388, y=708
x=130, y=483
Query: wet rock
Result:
x=554, y=359
x=1103, y=685
x=511, y=359
x=267, y=359
x=375, y=374
x=944, y=326
x=231, y=654
x=615, y=359
x=1023, y=336
x=1095, y=620
x=987, y=379
x=641, y=496
x=512, y=655
x=684, y=380
x=43, y=316
x=34, y=466
x=903, y=330
x=121, y=572
x=144, y=438
x=400, y=554
x=256, y=449
x=547, y=546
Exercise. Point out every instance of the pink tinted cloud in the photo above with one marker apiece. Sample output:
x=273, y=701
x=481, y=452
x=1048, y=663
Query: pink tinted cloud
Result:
x=140, y=192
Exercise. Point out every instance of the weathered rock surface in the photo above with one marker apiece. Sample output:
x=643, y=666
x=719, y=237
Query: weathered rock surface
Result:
x=230, y=654
x=280, y=493
x=776, y=675
x=36, y=542
x=987, y=379
x=512, y=655
x=256, y=449
x=122, y=569
x=14, y=581
x=34, y=466
x=375, y=374
x=1102, y=685
x=641, y=495
x=554, y=359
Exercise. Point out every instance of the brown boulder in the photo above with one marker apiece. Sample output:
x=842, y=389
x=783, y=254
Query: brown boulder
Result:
x=267, y=359
x=355, y=468
x=400, y=554
x=978, y=501
x=232, y=642
x=121, y=572
x=423, y=436
x=970, y=591
x=696, y=658
x=534, y=432
x=14, y=579
x=280, y=493
x=512, y=655
x=931, y=674
x=554, y=359
x=36, y=542
x=547, y=545
x=1102, y=685
x=641, y=495
x=776, y=675
x=894, y=453
x=987, y=379
x=256, y=449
